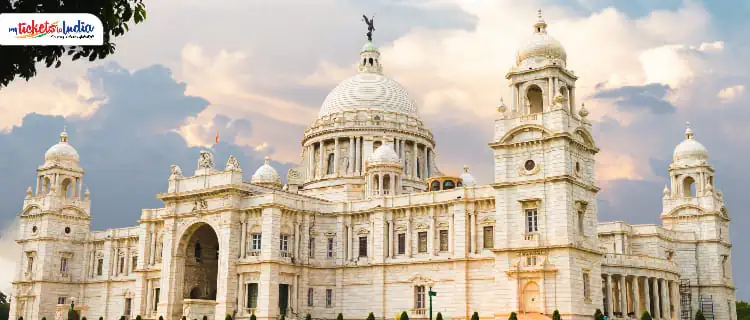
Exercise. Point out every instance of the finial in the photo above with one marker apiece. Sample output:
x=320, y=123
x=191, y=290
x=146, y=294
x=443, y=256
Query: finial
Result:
x=267, y=159
x=540, y=26
x=583, y=112
x=466, y=168
x=688, y=130
x=666, y=190
x=64, y=134
x=539, y=13
x=501, y=108
x=370, y=26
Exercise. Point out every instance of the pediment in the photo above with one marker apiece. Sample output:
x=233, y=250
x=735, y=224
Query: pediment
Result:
x=529, y=132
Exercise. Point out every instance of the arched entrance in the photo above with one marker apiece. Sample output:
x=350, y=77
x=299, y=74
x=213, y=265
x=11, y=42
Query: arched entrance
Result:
x=198, y=262
x=531, y=297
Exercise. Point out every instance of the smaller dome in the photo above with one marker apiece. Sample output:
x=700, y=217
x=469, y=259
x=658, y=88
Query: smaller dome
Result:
x=369, y=47
x=266, y=174
x=541, y=48
x=384, y=155
x=690, y=152
x=62, y=151
x=467, y=178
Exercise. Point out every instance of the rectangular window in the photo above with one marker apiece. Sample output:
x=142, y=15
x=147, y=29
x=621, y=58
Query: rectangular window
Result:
x=586, y=286
x=401, y=243
x=580, y=223
x=63, y=264
x=30, y=264
x=309, y=297
x=489, y=238
x=531, y=221
x=284, y=245
x=443, y=240
x=99, y=267
x=128, y=303
x=363, y=246
x=134, y=263
x=256, y=241
x=60, y=300
x=252, y=295
x=330, y=248
x=422, y=247
x=531, y=261
x=329, y=298
x=311, y=248
x=156, y=298
x=122, y=264
x=419, y=297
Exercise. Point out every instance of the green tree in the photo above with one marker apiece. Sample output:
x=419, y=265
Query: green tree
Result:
x=513, y=316
x=138, y=317
x=439, y=316
x=598, y=315
x=252, y=316
x=101, y=318
x=556, y=315
x=161, y=318
x=4, y=307
x=21, y=61
x=645, y=316
x=340, y=317
x=84, y=318
x=475, y=316
x=228, y=317
x=743, y=310
x=371, y=316
x=699, y=315
x=44, y=318
x=121, y=318
x=308, y=317
x=404, y=316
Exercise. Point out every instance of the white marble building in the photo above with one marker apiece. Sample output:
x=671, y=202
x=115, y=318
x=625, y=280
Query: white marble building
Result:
x=354, y=230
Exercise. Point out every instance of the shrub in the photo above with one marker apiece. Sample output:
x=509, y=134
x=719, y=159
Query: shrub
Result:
x=228, y=317
x=340, y=317
x=121, y=318
x=204, y=318
x=44, y=318
x=556, y=315
x=404, y=316
x=645, y=316
x=371, y=316
x=598, y=315
x=308, y=317
x=475, y=316
x=439, y=316
x=252, y=316
x=699, y=315
x=161, y=318
x=84, y=318
x=138, y=317
x=184, y=318
x=513, y=316
x=101, y=318
x=282, y=316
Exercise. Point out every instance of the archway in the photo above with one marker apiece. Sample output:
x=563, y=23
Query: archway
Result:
x=531, y=297
x=688, y=187
x=535, y=99
x=201, y=263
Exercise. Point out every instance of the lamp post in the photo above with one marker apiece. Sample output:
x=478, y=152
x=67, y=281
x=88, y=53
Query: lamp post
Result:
x=431, y=294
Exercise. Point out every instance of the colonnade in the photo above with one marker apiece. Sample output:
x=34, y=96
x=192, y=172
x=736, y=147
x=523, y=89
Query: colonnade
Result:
x=628, y=296
x=45, y=184
x=358, y=153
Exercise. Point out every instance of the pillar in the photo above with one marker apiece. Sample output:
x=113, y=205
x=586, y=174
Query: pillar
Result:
x=357, y=155
x=431, y=233
x=408, y=233
x=623, y=296
x=572, y=100
x=391, y=238
x=664, y=299
x=243, y=227
x=350, y=170
x=425, y=169
x=647, y=296
x=401, y=149
x=336, y=157
x=608, y=289
x=657, y=300
x=380, y=184
x=240, y=293
x=473, y=231
x=450, y=235
x=321, y=173
x=415, y=149
x=636, y=298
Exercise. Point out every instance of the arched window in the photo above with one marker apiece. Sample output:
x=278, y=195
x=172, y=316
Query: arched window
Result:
x=448, y=184
x=371, y=61
x=47, y=185
x=387, y=184
x=67, y=188
x=564, y=92
x=435, y=186
x=688, y=187
x=419, y=169
x=534, y=97
x=375, y=184
x=329, y=170
x=198, y=251
x=364, y=61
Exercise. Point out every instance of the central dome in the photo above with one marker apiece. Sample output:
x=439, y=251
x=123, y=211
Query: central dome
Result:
x=368, y=91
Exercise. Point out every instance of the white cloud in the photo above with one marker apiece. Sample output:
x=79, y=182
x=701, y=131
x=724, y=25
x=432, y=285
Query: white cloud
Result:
x=9, y=253
x=730, y=94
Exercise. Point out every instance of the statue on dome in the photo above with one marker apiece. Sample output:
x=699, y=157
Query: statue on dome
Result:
x=206, y=160
x=370, y=26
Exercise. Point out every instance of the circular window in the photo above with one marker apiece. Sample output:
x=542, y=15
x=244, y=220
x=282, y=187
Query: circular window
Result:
x=529, y=165
x=34, y=229
x=67, y=229
x=578, y=166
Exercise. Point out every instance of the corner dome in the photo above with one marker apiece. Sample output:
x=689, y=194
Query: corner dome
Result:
x=266, y=175
x=467, y=179
x=384, y=155
x=62, y=151
x=690, y=152
x=541, y=49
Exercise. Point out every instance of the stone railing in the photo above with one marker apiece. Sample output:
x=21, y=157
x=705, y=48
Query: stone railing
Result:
x=531, y=239
x=418, y=312
x=641, y=262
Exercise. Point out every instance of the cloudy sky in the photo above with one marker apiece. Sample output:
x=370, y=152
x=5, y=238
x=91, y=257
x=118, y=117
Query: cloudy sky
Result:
x=258, y=71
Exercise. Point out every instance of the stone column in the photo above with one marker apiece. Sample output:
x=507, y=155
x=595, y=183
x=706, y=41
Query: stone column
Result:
x=321, y=164
x=350, y=170
x=610, y=304
x=414, y=171
x=336, y=157
x=408, y=233
x=647, y=296
x=391, y=238
x=426, y=167
x=450, y=235
x=243, y=227
x=657, y=300
x=636, y=298
x=401, y=149
x=239, y=294
x=572, y=100
x=431, y=234
x=664, y=299
x=473, y=230
x=623, y=296
x=357, y=155
x=676, y=299
x=380, y=184
x=154, y=237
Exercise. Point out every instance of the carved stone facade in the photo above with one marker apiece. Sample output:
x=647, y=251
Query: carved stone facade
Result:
x=332, y=241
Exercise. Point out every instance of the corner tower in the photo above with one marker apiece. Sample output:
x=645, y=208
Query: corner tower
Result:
x=696, y=207
x=545, y=188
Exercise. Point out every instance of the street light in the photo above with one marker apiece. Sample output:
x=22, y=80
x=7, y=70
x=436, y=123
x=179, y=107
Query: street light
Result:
x=431, y=294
